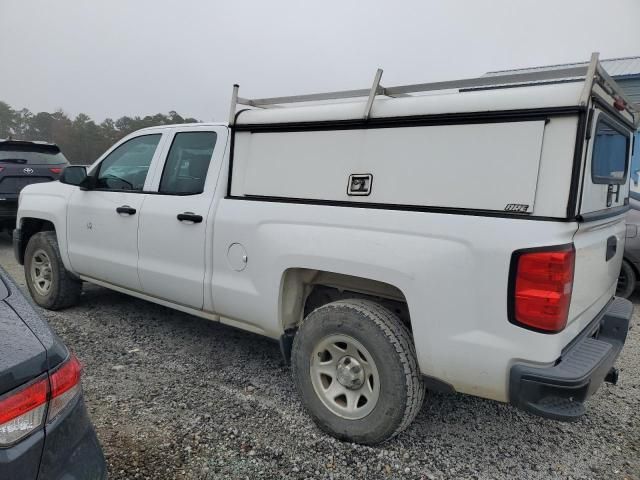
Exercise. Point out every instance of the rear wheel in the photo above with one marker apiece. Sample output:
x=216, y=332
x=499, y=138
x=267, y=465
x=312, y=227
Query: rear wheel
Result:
x=626, y=280
x=50, y=284
x=355, y=367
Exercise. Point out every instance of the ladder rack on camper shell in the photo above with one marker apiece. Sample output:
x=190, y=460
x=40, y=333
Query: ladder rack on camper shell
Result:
x=593, y=74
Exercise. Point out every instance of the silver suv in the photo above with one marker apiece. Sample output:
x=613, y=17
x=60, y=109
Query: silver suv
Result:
x=630, y=271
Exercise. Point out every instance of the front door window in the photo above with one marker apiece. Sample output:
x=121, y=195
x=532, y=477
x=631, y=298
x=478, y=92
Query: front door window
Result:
x=127, y=166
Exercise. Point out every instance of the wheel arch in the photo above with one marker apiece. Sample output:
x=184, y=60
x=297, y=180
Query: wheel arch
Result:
x=302, y=290
x=28, y=227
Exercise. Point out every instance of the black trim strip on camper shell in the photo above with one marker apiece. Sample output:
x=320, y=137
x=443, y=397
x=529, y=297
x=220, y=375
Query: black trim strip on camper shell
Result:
x=602, y=214
x=574, y=201
x=394, y=206
x=232, y=144
x=463, y=118
x=422, y=120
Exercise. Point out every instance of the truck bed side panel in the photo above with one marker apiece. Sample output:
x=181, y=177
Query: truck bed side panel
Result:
x=452, y=269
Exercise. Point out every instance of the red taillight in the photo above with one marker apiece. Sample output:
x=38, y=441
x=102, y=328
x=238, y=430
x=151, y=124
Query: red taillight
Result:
x=65, y=384
x=55, y=170
x=1, y=168
x=66, y=377
x=541, y=289
x=23, y=400
x=22, y=411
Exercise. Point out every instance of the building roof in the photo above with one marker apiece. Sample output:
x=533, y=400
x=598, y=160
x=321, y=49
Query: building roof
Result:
x=616, y=67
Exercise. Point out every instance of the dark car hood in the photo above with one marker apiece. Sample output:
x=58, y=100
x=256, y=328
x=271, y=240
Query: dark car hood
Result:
x=28, y=347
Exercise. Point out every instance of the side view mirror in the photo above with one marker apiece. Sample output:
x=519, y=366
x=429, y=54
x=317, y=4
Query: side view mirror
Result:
x=76, y=175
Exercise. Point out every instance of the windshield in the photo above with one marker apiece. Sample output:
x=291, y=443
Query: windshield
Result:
x=635, y=168
x=31, y=154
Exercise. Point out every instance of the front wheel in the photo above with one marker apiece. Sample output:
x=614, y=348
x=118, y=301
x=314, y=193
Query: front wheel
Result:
x=355, y=367
x=50, y=284
x=626, y=280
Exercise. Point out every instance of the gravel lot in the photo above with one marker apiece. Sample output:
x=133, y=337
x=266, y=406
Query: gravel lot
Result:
x=174, y=396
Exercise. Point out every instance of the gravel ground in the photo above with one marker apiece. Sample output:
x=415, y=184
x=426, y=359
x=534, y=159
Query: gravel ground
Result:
x=174, y=396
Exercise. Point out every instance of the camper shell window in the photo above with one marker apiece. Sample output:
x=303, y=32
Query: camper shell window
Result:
x=610, y=153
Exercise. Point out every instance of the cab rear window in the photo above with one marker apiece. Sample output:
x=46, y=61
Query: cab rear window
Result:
x=610, y=154
x=31, y=154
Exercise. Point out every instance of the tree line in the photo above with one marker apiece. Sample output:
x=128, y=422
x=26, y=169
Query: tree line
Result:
x=81, y=139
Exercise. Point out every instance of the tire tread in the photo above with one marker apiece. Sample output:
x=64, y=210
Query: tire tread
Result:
x=68, y=288
x=400, y=338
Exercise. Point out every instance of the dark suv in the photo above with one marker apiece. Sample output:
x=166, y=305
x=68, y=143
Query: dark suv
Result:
x=23, y=163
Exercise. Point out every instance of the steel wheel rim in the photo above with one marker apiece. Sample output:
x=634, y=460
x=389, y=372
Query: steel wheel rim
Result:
x=41, y=274
x=345, y=377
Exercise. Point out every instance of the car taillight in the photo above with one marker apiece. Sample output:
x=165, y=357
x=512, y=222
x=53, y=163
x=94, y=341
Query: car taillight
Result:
x=1, y=168
x=22, y=411
x=541, y=286
x=65, y=385
x=55, y=170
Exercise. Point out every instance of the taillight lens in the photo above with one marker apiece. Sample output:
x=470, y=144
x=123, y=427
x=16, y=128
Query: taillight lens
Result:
x=22, y=411
x=56, y=170
x=541, y=288
x=1, y=168
x=65, y=385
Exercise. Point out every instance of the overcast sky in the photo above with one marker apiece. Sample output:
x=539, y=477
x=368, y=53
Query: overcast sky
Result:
x=134, y=57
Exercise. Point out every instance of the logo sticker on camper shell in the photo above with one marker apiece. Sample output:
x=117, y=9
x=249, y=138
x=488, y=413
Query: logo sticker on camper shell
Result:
x=516, y=208
x=359, y=184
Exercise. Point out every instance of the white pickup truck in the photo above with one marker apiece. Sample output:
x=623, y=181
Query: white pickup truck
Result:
x=393, y=241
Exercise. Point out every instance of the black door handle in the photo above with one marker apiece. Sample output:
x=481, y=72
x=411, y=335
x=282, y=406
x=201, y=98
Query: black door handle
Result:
x=126, y=209
x=612, y=247
x=189, y=217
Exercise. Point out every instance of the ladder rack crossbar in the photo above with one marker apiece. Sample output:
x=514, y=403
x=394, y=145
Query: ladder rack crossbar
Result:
x=312, y=97
x=493, y=81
